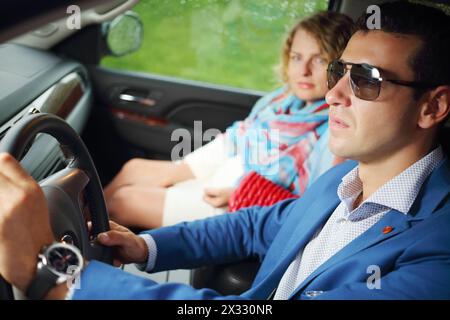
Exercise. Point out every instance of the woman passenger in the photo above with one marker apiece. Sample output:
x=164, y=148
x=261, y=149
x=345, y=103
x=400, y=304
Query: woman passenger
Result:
x=283, y=139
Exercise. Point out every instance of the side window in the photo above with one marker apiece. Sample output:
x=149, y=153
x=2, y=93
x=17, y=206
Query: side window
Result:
x=230, y=42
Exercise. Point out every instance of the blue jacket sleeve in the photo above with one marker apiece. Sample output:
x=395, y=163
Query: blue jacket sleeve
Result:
x=229, y=237
x=222, y=239
x=236, y=236
x=103, y=282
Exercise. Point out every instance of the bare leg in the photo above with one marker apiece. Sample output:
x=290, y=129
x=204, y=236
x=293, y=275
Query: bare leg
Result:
x=149, y=173
x=137, y=206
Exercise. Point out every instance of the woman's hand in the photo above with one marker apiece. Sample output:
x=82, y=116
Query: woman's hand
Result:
x=128, y=247
x=217, y=197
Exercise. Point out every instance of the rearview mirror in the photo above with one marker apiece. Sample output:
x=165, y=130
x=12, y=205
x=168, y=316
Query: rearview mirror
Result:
x=124, y=34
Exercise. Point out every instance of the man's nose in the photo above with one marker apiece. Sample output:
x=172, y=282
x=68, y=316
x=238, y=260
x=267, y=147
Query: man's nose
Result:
x=340, y=94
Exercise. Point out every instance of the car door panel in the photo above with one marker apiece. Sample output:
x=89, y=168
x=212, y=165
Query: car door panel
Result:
x=146, y=109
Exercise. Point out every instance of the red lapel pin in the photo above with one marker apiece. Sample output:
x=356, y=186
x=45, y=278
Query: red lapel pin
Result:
x=387, y=229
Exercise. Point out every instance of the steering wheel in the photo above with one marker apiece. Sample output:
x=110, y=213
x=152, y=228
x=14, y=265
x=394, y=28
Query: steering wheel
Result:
x=64, y=189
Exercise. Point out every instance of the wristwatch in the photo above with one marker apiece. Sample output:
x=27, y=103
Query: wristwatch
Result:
x=57, y=263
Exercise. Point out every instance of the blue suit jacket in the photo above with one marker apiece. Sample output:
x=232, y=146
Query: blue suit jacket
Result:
x=414, y=258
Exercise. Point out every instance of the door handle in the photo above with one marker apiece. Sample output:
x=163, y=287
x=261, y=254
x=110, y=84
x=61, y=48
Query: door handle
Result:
x=147, y=102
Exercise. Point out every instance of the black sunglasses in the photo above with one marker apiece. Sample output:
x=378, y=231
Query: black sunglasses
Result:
x=365, y=80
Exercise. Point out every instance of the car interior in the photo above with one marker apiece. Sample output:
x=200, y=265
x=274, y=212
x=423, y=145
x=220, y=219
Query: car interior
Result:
x=63, y=114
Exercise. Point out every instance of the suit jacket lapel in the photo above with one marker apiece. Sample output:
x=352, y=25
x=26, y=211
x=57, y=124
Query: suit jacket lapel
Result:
x=306, y=226
x=317, y=215
x=433, y=192
x=395, y=219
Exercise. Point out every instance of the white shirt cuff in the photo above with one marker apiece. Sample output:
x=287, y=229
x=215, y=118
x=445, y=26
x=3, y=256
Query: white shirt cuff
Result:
x=70, y=293
x=152, y=253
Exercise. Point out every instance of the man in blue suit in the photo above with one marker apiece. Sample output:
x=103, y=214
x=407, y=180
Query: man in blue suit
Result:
x=375, y=228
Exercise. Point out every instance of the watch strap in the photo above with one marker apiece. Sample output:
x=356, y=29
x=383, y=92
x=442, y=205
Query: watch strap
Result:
x=42, y=283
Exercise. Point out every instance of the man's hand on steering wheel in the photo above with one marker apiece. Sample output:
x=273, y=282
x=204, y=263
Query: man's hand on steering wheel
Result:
x=33, y=215
x=24, y=223
x=128, y=247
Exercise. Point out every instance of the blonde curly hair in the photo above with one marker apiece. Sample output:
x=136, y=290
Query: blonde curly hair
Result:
x=331, y=29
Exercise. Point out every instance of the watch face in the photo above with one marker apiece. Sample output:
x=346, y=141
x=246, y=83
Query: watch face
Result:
x=63, y=259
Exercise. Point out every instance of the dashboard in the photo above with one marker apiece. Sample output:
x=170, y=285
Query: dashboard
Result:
x=33, y=81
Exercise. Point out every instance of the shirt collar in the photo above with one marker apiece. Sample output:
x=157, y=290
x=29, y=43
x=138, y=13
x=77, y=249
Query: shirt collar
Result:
x=398, y=193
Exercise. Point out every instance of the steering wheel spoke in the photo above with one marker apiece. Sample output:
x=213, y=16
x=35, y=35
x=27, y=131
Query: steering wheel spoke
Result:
x=64, y=192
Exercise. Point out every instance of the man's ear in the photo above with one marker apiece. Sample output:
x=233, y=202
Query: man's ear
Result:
x=435, y=108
